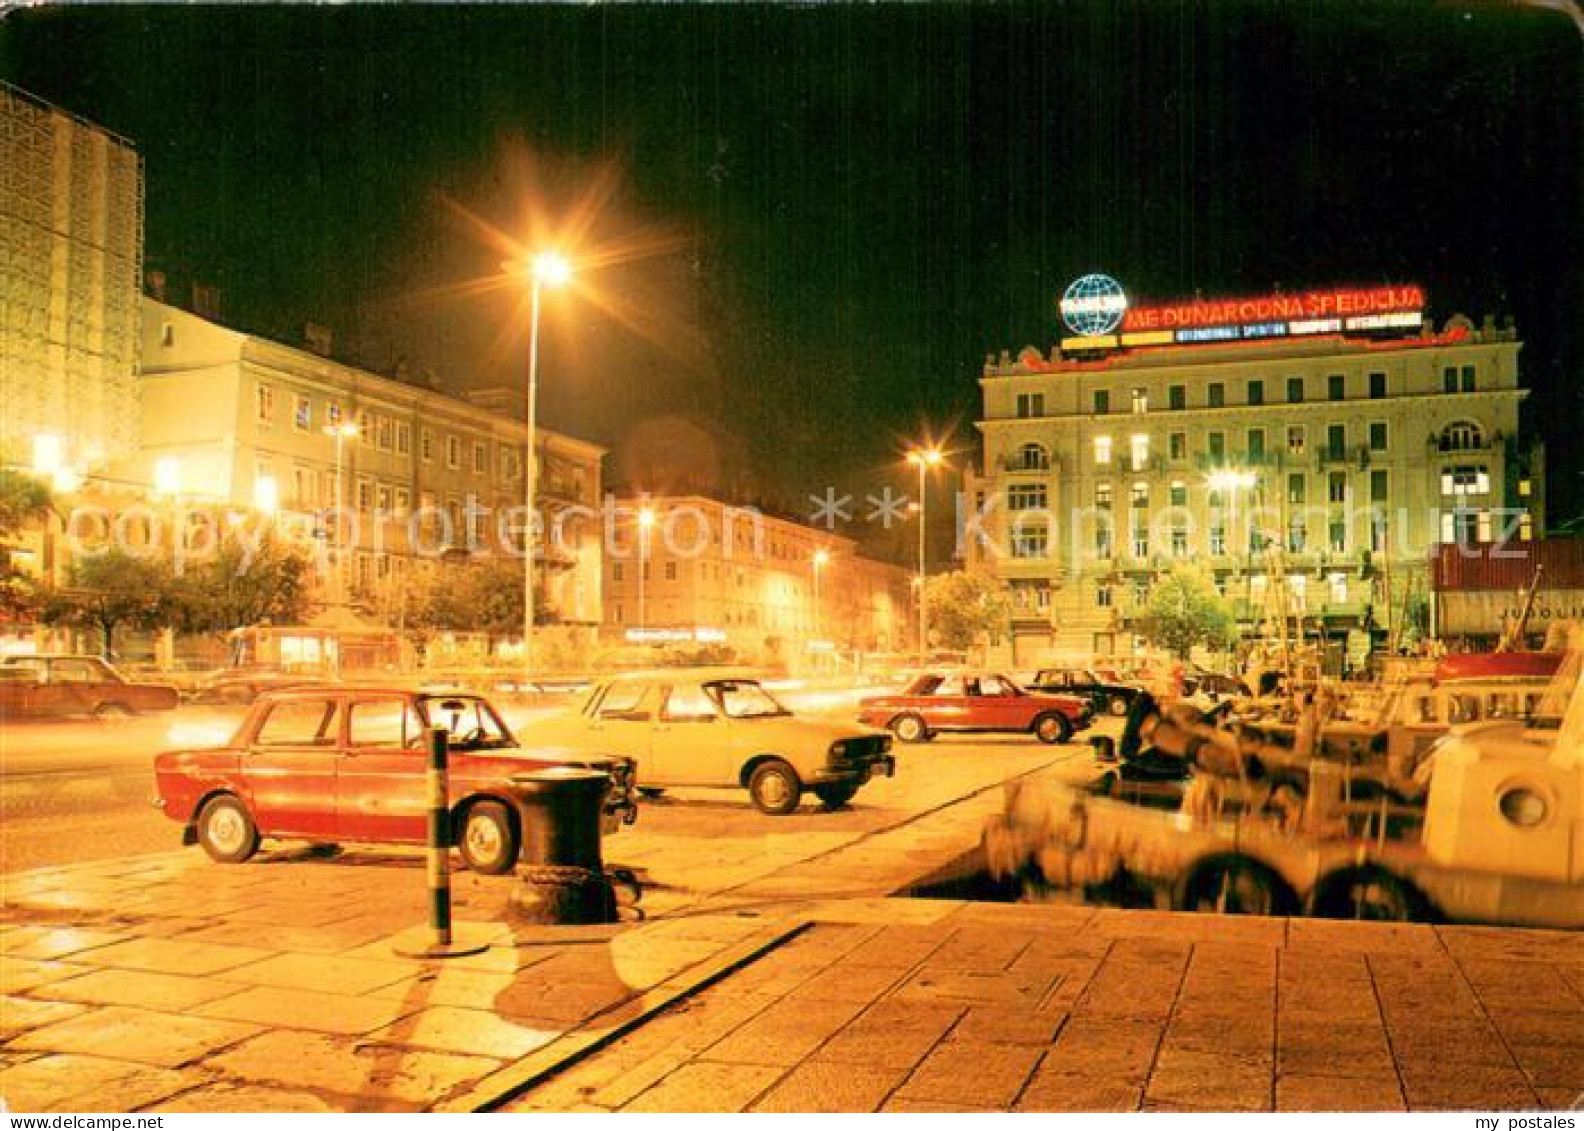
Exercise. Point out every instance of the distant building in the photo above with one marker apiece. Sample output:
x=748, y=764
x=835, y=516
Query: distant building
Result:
x=1337, y=426
x=430, y=478
x=71, y=239
x=703, y=571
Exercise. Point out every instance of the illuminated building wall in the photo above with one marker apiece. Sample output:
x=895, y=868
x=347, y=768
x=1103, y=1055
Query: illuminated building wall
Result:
x=716, y=573
x=71, y=244
x=1331, y=432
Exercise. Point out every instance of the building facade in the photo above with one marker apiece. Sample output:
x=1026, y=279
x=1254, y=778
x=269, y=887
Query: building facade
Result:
x=1307, y=457
x=71, y=240
x=691, y=569
x=422, y=478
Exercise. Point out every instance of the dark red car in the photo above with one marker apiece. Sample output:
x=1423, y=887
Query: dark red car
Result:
x=56, y=686
x=331, y=764
x=974, y=701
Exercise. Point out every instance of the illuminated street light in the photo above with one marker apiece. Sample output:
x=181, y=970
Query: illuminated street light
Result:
x=266, y=494
x=1229, y=482
x=167, y=476
x=548, y=269
x=340, y=432
x=49, y=454
x=923, y=459
x=646, y=519
x=821, y=560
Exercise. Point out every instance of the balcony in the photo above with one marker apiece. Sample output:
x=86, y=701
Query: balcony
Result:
x=1205, y=461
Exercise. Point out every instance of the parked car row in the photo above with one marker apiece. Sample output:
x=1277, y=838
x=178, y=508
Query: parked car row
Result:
x=332, y=762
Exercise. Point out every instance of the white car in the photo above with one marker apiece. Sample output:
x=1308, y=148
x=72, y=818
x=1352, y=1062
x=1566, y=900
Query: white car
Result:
x=703, y=728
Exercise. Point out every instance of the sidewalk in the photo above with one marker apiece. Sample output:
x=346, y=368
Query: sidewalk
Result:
x=167, y=983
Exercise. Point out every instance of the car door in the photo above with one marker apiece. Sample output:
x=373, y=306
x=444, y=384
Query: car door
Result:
x=75, y=687
x=692, y=742
x=289, y=767
x=996, y=704
x=620, y=720
x=946, y=705
x=381, y=786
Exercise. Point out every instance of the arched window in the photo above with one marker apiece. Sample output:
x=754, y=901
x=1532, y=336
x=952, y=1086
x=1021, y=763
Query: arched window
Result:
x=1462, y=436
x=1033, y=457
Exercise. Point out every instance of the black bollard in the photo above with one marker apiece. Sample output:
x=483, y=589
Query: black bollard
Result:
x=563, y=875
x=437, y=941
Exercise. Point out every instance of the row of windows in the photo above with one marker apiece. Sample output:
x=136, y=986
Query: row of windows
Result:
x=388, y=434
x=1459, y=525
x=1455, y=379
x=1461, y=435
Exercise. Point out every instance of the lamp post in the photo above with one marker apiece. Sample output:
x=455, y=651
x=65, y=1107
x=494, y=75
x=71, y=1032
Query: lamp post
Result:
x=340, y=432
x=1229, y=482
x=547, y=270
x=923, y=459
x=820, y=561
x=646, y=517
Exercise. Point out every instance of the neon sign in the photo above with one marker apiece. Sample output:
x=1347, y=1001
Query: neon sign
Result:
x=1294, y=309
x=1093, y=305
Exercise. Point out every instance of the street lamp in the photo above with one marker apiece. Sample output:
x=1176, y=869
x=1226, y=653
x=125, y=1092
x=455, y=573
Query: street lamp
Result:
x=646, y=518
x=547, y=270
x=821, y=560
x=1229, y=483
x=345, y=430
x=923, y=459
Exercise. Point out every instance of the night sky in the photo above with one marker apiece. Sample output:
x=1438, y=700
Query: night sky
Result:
x=820, y=219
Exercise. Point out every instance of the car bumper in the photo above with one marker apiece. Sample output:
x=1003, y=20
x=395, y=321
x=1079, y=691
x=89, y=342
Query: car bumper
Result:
x=881, y=765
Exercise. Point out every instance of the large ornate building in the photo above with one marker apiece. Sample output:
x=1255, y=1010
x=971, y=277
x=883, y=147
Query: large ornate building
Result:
x=1319, y=444
x=71, y=241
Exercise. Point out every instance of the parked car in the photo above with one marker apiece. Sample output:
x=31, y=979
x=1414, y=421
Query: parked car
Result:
x=974, y=701
x=1108, y=697
x=339, y=763
x=712, y=728
x=53, y=685
x=243, y=685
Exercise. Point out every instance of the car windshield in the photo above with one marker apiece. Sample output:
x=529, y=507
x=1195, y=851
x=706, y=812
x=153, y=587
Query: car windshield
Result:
x=471, y=722
x=743, y=699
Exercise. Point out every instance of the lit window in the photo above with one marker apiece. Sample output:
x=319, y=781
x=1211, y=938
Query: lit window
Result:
x=1029, y=542
x=1462, y=436
x=1140, y=400
x=302, y=413
x=1026, y=496
x=1337, y=486
x=1140, y=446
x=1102, y=449
x=1103, y=496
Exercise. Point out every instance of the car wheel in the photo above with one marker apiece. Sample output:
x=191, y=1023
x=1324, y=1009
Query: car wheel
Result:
x=112, y=712
x=1370, y=892
x=226, y=831
x=775, y=788
x=910, y=728
x=486, y=840
x=835, y=796
x=1052, y=729
x=1237, y=885
x=1117, y=705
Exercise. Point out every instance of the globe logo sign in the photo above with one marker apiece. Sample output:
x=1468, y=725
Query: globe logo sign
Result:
x=1093, y=305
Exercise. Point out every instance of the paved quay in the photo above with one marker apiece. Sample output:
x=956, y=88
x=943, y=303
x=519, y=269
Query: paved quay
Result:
x=776, y=971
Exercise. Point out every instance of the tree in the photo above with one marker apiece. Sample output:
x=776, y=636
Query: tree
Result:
x=242, y=585
x=485, y=595
x=1183, y=610
x=111, y=589
x=963, y=607
x=23, y=500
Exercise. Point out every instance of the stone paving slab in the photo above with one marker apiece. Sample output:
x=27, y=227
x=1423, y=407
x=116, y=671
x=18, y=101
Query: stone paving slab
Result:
x=1216, y=1029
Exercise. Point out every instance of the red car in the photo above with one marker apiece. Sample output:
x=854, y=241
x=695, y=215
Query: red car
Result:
x=52, y=686
x=975, y=701
x=330, y=764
